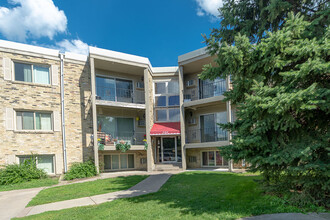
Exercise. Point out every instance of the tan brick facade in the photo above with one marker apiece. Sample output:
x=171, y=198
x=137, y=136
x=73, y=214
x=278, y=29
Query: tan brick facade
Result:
x=24, y=96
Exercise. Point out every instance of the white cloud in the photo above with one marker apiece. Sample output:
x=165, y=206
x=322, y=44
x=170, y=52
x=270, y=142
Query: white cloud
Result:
x=74, y=46
x=208, y=7
x=31, y=19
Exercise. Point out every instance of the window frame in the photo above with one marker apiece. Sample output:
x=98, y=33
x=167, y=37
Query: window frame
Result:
x=18, y=157
x=32, y=73
x=34, y=120
x=119, y=162
x=115, y=83
x=215, y=159
x=167, y=95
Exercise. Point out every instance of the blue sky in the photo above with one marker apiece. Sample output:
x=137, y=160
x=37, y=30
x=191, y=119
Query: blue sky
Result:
x=159, y=30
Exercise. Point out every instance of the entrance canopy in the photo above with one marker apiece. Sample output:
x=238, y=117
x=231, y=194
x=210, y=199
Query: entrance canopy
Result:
x=166, y=128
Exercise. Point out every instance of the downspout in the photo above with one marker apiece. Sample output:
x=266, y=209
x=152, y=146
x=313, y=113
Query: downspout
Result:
x=62, y=113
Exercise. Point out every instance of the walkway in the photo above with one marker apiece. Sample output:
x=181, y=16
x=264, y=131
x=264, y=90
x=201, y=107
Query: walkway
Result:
x=150, y=185
x=13, y=202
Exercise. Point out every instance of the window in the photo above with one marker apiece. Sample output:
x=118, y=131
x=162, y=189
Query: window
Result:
x=213, y=159
x=161, y=101
x=117, y=128
x=118, y=161
x=174, y=114
x=167, y=100
x=210, y=88
x=111, y=89
x=33, y=121
x=32, y=73
x=210, y=130
x=161, y=115
x=44, y=162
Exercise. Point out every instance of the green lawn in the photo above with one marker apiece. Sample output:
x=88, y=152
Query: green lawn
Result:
x=79, y=190
x=30, y=184
x=189, y=195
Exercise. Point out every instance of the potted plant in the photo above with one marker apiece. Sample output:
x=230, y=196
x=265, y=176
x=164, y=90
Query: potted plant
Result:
x=123, y=146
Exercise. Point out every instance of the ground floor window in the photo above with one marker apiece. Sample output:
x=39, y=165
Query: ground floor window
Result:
x=213, y=159
x=118, y=161
x=45, y=162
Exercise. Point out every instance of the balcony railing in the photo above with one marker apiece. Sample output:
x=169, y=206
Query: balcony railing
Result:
x=111, y=138
x=206, y=135
x=120, y=95
x=206, y=90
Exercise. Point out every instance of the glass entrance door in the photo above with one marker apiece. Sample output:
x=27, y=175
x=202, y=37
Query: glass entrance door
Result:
x=169, y=150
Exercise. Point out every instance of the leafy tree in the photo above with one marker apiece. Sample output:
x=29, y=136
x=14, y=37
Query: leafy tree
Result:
x=281, y=88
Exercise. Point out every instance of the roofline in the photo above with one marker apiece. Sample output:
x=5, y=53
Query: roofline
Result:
x=193, y=56
x=119, y=56
x=28, y=48
x=166, y=69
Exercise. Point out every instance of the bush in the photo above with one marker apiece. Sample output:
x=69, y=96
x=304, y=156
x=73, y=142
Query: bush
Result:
x=81, y=170
x=18, y=173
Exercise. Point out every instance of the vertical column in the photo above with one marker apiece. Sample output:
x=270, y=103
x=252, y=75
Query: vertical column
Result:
x=182, y=120
x=149, y=117
x=93, y=87
x=228, y=104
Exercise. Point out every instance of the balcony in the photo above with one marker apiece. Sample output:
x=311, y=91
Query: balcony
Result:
x=204, y=135
x=120, y=97
x=133, y=138
x=206, y=92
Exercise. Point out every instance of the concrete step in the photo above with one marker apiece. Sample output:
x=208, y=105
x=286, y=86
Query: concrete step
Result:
x=168, y=166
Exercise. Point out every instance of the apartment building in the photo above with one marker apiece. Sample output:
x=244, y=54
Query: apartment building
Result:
x=66, y=108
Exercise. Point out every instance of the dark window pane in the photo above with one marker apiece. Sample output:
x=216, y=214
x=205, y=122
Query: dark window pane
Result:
x=161, y=101
x=173, y=100
x=23, y=72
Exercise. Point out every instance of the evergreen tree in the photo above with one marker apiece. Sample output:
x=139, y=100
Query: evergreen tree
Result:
x=280, y=72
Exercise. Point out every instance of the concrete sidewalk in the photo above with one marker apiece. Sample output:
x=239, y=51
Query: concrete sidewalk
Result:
x=150, y=185
x=13, y=202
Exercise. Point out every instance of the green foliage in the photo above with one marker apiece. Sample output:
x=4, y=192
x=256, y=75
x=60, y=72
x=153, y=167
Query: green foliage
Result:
x=123, y=147
x=281, y=88
x=81, y=170
x=19, y=173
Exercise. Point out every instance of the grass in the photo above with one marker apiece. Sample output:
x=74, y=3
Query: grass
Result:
x=30, y=184
x=189, y=195
x=79, y=190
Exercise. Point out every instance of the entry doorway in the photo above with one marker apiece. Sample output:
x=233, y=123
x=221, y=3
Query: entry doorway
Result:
x=168, y=150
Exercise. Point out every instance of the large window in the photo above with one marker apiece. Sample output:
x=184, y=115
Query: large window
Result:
x=112, y=89
x=210, y=88
x=32, y=73
x=33, y=121
x=210, y=130
x=119, y=161
x=213, y=159
x=45, y=162
x=117, y=128
x=167, y=101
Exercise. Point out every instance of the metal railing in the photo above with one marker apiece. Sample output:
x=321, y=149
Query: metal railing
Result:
x=111, y=138
x=210, y=134
x=120, y=95
x=206, y=90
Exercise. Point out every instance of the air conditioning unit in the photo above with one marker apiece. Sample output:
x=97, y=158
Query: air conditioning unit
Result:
x=191, y=82
x=192, y=121
x=186, y=98
x=140, y=85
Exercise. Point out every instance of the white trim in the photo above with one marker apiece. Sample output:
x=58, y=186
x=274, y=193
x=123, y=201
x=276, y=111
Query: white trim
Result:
x=28, y=48
x=76, y=57
x=167, y=69
x=119, y=56
x=193, y=55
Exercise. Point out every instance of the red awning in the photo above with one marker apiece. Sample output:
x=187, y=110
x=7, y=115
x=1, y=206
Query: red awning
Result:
x=168, y=128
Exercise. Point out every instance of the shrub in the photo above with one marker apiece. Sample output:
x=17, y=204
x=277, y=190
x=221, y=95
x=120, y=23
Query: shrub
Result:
x=122, y=146
x=81, y=170
x=18, y=173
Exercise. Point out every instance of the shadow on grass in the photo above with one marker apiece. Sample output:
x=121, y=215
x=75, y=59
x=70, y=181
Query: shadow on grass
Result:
x=199, y=193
